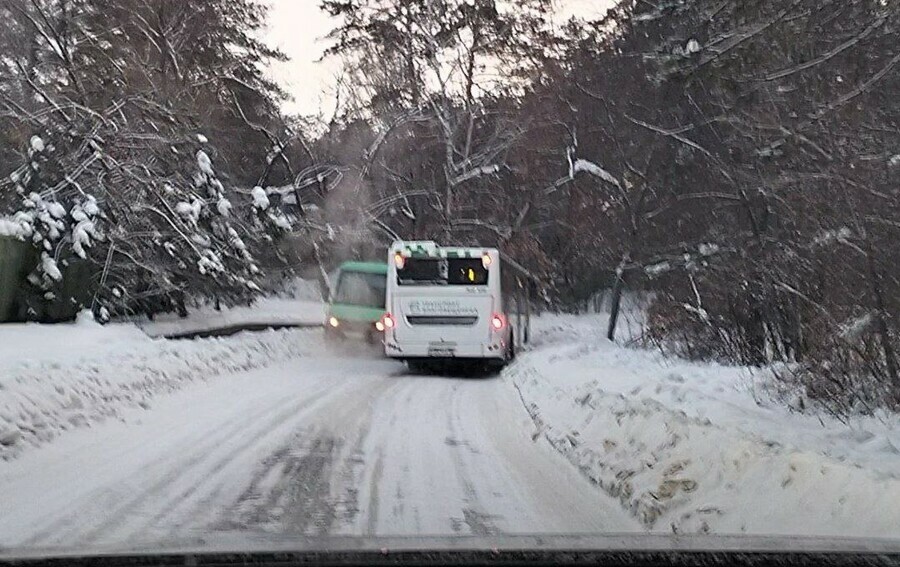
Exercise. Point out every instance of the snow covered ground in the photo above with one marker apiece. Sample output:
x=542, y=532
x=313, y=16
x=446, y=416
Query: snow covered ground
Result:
x=54, y=378
x=696, y=447
x=320, y=441
x=110, y=437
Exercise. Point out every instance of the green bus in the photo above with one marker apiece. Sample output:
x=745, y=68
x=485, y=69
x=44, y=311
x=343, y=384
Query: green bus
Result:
x=356, y=304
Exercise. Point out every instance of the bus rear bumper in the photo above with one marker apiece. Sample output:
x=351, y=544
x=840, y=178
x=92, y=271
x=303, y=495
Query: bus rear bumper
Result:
x=435, y=352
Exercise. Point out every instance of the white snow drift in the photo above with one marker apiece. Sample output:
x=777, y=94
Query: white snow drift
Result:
x=58, y=377
x=697, y=448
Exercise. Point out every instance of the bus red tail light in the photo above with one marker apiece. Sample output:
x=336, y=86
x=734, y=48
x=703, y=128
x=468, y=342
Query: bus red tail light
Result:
x=387, y=322
x=498, y=322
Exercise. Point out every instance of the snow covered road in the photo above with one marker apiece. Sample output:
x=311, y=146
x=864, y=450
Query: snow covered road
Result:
x=319, y=444
x=111, y=439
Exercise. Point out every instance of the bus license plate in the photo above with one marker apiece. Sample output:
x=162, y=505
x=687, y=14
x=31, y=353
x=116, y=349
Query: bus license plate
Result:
x=441, y=351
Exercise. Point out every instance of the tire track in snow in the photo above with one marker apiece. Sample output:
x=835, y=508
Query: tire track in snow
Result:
x=261, y=432
x=310, y=484
x=473, y=516
x=332, y=446
x=204, y=461
x=284, y=422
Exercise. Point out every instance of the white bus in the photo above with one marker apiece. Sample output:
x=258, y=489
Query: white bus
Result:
x=453, y=304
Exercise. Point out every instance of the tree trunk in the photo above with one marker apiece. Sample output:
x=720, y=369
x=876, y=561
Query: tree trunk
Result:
x=321, y=273
x=890, y=357
x=616, y=300
x=181, y=307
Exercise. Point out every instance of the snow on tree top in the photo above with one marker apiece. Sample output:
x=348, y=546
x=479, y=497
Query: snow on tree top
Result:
x=260, y=199
x=202, y=139
x=33, y=200
x=586, y=166
x=829, y=236
x=49, y=267
x=281, y=221
x=204, y=163
x=90, y=206
x=14, y=227
x=854, y=328
x=37, y=144
x=81, y=237
x=657, y=269
x=224, y=207
x=708, y=248
x=56, y=210
x=189, y=210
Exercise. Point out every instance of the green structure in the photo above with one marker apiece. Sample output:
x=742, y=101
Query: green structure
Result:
x=17, y=258
x=20, y=301
x=356, y=303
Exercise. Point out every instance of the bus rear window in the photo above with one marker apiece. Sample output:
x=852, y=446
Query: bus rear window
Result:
x=439, y=271
x=466, y=271
x=422, y=271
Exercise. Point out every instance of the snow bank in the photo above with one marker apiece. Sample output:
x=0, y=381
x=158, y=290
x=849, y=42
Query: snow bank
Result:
x=266, y=310
x=54, y=378
x=694, y=448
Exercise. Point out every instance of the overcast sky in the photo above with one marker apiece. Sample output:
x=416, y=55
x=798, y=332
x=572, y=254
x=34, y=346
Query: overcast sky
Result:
x=298, y=27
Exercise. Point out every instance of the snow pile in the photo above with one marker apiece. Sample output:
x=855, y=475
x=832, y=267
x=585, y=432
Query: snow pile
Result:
x=693, y=448
x=54, y=378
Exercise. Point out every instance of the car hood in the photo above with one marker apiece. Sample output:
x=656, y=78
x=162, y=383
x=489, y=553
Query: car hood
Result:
x=242, y=543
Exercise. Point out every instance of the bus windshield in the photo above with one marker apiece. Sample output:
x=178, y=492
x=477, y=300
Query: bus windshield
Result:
x=440, y=271
x=361, y=288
